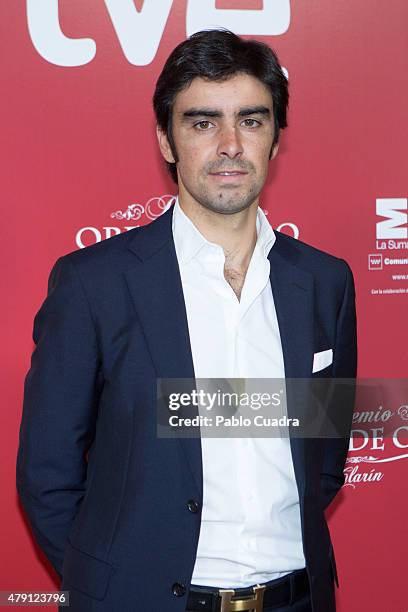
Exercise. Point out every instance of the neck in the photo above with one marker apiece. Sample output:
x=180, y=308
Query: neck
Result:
x=235, y=233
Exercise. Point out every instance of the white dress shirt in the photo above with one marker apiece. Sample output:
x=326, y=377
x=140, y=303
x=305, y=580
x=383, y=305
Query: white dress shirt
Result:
x=250, y=523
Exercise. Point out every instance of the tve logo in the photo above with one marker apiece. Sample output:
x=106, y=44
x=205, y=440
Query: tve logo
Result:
x=391, y=227
x=140, y=32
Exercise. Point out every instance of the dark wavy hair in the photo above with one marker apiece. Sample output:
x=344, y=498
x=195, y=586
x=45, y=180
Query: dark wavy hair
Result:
x=217, y=55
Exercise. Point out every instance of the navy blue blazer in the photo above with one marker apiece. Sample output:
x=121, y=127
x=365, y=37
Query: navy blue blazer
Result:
x=116, y=509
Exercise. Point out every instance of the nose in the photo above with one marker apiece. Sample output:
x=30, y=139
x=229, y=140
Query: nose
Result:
x=230, y=144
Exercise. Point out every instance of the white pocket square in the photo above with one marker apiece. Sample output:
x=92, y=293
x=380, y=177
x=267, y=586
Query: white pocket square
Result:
x=322, y=359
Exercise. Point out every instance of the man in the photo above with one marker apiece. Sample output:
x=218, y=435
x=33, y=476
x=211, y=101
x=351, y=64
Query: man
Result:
x=131, y=521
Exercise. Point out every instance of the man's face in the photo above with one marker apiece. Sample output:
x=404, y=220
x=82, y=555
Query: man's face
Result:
x=223, y=133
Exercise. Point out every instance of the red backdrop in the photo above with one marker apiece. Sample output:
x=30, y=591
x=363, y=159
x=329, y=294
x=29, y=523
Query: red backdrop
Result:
x=80, y=162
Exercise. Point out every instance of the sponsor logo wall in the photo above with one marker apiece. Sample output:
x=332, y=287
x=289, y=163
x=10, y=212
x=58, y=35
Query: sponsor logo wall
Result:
x=391, y=244
x=81, y=164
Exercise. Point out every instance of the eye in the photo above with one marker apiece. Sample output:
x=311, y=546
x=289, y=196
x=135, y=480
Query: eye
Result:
x=251, y=122
x=203, y=125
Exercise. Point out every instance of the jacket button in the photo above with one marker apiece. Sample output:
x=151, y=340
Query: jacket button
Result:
x=178, y=589
x=193, y=505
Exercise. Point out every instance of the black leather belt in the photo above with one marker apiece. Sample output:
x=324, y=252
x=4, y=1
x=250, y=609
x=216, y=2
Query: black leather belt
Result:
x=255, y=598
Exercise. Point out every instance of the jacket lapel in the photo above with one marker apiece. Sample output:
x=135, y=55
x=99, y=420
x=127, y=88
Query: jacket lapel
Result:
x=292, y=290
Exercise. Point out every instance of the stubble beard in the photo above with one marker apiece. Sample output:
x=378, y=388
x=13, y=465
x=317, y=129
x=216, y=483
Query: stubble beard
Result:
x=226, y=200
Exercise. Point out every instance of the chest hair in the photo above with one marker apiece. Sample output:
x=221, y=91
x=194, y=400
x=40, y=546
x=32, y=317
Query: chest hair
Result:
x=235, y=279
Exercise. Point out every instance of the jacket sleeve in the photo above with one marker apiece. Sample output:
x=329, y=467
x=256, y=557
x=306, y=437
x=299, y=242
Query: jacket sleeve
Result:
x=344, y=366
x=59, y=412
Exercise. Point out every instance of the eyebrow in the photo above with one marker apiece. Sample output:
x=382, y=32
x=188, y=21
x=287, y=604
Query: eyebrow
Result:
x=210, y=112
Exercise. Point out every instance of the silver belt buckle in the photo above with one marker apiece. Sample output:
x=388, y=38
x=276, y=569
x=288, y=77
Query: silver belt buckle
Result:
x=247, y=604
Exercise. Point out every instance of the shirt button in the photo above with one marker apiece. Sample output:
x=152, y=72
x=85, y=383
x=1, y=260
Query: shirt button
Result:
x=178, y=589
x=193, y=505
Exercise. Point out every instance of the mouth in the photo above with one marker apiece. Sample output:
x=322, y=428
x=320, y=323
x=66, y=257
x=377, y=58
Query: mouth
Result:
x=226, y=175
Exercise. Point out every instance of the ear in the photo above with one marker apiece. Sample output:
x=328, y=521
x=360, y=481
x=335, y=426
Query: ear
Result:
x=275, y=150
x=164, y=145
